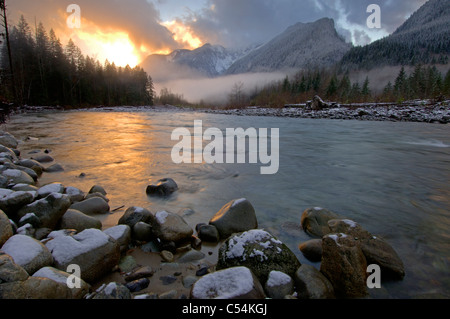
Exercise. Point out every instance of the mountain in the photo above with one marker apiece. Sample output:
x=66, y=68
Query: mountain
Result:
x=208, y=60
x=303, y=45
x=424, y=38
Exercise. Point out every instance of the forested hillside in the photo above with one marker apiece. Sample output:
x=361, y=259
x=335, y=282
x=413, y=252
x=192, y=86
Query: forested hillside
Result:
x=48, y=73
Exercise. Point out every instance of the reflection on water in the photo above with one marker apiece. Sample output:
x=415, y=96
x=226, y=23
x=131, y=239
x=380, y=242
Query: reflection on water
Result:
x=393, y=178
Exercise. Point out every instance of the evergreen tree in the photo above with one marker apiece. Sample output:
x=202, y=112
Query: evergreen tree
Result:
x=365, y=91
x=332, y=87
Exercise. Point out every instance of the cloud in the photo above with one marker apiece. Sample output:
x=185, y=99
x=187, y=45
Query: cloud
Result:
x=138, y=18
x=240, y=22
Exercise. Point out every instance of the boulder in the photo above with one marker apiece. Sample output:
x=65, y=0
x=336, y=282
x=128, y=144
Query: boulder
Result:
x=121, y=234
x=45, y=158
x=236, y=216
x=231, y=283
x=46, y=190
x=208, y=233
x=12, y=201
x=28, y=253
x=30, y=219
x=170, y=227
x=97, y=189
x=6, y=230
x=312, y=249
x=279, y=285
x=259, y=251
x=163, y=187
x=9, y=270
x=94, y=251
x=344, y=265
x=75, y=194
x=35, y=288
x=8, y=140
x=315, y=221
x=112, y=291
x=62, y=277
x=55, y=168
x=318, y=104
x=134, y=215
x=30, y=163
x=142, y=232
x=74, y=219
x=312, y=284
x=49, y=209
x=6, y=152
x=16, y=176
x=92, y=206
x=376, y=250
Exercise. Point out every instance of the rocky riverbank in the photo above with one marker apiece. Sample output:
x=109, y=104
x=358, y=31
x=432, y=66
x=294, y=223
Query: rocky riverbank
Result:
x=53, y=246
x=425, y=111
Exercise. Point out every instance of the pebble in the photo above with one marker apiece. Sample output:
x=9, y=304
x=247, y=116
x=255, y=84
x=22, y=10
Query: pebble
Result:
x=168, y=280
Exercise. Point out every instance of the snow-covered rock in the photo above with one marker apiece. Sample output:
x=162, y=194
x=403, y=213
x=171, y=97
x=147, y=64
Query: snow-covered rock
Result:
x=74, y=219
x=94, y=251
x=49, y=209
x=46, y=190
x=279, y=285
x=231, y=283
x=63, y=277
x=28, y=253
x=16, y=176
x=120, y=233
x=259, y=251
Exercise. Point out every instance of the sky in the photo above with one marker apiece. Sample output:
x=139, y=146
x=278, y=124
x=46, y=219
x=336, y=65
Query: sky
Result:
x=125, y=32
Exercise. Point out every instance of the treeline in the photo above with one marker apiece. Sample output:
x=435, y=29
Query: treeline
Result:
x=48, y=73
x=423, y=82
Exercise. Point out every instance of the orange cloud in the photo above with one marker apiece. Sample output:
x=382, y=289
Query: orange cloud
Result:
x=183, y=35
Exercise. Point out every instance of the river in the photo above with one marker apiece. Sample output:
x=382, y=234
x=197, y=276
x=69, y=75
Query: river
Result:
x=392, y=178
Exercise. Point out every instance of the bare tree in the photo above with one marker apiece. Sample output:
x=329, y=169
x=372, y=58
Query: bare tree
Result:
x=4, y=23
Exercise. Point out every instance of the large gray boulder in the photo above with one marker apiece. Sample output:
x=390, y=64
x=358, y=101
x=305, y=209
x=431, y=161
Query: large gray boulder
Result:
x=344, y=265
x=259, y=251
x=312, y=284
x=170, y=227
x=94, y=251
x=74, y=219
x=12, y=201
x=235, y=217
x=49, y=209
x=231, y=283
x=92, y=206
x=315, y=221
x=16, y=176
x=28, y=253
x=62, y=277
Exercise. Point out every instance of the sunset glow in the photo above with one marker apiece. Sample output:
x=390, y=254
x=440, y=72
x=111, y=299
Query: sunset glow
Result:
x=183, y=34
x=113, y=46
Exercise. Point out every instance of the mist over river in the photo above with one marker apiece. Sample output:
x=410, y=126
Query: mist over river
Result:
x=392, y=178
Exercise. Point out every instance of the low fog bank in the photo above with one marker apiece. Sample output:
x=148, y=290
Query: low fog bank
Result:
x=216, y=91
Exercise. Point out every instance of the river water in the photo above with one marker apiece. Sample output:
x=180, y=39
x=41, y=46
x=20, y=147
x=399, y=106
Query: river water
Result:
x=392, y=178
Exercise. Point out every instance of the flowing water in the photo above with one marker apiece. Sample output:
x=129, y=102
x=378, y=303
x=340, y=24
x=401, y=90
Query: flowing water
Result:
x=392, y=178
